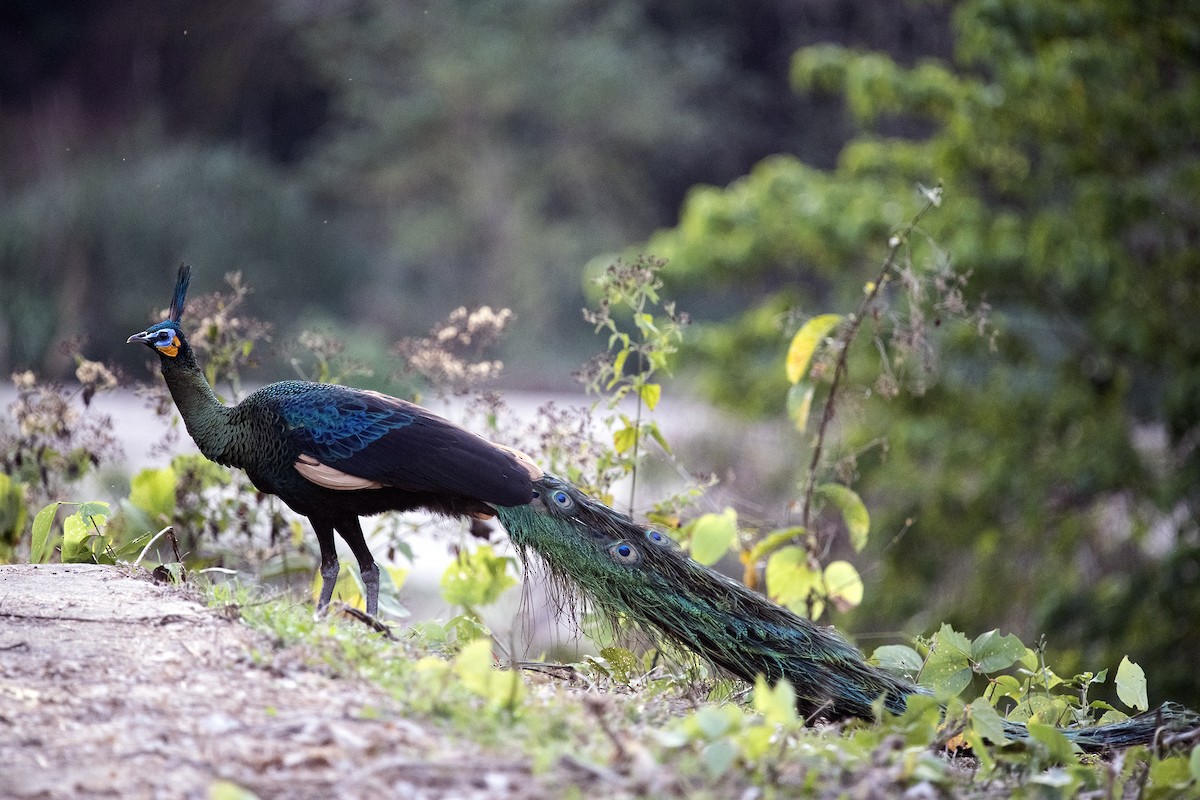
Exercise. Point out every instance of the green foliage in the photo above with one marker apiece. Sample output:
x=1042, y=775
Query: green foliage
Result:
x=1067, y=187
x=477, y=578
x=12, y=515
x=632, y=365
x=85, y=536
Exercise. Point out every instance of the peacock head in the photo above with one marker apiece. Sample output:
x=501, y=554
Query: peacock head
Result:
x=166, y=338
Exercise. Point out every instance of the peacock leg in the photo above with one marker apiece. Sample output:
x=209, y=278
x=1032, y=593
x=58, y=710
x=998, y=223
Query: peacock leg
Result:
x=351, y=531
x=329, y=560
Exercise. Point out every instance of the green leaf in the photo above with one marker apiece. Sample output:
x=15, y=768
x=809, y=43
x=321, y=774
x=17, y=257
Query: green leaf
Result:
x=775, y=540
x=712, y=535
x=656, y=434
x=94, y=508
x=987, y=722
x=947, y=671
x=500, y=687
x=41, y=547
x=791, y=581
x=1131, y=685
x=476, y=578
x=618, y=365
x=650, y=394
x=1172, y=772
x=625, y=439
x=776, y=703
x=799, y=404
x=623, y=665
x=992, y=652
x=854, y=511
x=77, y=535
x=1194, y=764
x=843, y=585
x=153, y=491
x=1058, y=747
x=898, y=659
x=804, y=344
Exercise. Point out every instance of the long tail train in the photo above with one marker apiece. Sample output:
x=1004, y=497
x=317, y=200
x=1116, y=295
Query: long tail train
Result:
x=637, y=573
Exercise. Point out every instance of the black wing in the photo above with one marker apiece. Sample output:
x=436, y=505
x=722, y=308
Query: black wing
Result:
x=384, y=439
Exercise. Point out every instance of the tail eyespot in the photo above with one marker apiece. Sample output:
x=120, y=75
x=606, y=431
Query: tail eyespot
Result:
x=624, y=553
x=563, y=500
x=657, y=537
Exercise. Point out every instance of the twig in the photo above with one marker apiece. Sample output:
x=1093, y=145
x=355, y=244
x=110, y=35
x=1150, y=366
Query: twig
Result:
x=373, y=623
x=894, y=244
x=150, y=544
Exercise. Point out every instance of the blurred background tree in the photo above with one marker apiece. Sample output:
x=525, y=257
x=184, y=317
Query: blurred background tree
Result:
x=375, y=164
x=1053, y=484
x=382, y=163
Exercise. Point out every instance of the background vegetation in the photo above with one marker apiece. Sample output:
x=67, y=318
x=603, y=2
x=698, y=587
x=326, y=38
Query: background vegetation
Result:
x=1028, y=440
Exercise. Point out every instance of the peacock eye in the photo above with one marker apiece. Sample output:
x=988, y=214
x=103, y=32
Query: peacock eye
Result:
x=563, y=500
x=624, y=553
x=656, y=536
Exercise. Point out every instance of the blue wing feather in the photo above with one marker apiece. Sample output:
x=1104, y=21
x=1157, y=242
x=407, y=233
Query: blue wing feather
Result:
x=381, y=438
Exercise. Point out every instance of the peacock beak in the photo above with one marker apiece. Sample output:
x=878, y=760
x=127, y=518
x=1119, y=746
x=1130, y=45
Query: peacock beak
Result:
x=143, y=337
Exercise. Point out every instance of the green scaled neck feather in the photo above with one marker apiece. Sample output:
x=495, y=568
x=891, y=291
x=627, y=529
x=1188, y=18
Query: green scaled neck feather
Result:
x=637, y=575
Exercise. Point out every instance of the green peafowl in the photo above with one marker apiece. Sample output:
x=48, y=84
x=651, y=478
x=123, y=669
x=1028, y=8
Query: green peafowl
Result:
x=333, y=453
x=639, y=574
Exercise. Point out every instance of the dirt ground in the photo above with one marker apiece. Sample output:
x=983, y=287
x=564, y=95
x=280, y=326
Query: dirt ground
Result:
x=112, y=685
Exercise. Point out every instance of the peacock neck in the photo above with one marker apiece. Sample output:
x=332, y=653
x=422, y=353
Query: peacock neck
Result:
x=206, y=418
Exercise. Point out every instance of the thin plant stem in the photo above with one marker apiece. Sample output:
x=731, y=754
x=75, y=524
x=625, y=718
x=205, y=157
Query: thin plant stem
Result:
x=847, y=338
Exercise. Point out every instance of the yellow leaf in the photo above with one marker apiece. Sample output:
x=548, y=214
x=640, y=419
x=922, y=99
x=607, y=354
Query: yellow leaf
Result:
x=805, y=342
x=843, y=586
x=650, y=393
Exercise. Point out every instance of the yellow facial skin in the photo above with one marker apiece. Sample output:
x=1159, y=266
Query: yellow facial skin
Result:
x=171, y=350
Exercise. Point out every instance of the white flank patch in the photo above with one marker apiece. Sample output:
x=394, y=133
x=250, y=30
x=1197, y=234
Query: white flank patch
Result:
x=330, y=478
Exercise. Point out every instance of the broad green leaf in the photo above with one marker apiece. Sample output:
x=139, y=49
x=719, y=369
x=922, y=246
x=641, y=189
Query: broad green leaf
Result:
x=1172, y=772
x=947, y=671
x=94, y=508
x=992, y=652
x=1131, y=685
x=843, y=585
x=474, y=666
x=986, y=722
x=1194, y=764
x=476, y=578
x=899, y=659
x=153, y=491
x=41, y=548
x=804, y=344
x=776, y=703
x=650, y=394
x=712, y=535
x=799, y=404
x=76, y=537
x=791, y=581
x=625, y=439
x=1058, y=746
x=854, y=512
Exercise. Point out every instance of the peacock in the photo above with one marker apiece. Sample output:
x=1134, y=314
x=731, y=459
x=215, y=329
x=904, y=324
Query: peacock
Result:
x=334, y=453
x=639, y=575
